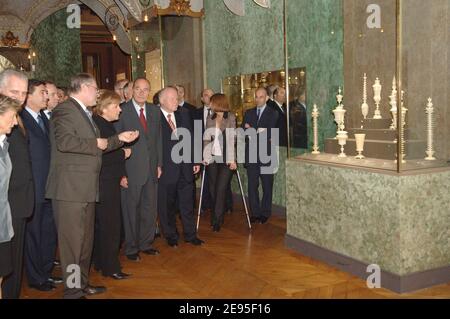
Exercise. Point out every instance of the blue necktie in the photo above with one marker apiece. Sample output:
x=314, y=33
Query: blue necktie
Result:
x=258, y=113
x=89, y=115
x=41, y=124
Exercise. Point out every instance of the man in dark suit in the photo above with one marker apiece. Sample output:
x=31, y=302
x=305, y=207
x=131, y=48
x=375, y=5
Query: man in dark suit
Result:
x=262, y=119
x=14, y=84
x=298, y=122
x=177, y=179
x=182, y=103
x=143, y=168
x=278, y=103
x=73, y=180
x=201, y=114
x=40, y=248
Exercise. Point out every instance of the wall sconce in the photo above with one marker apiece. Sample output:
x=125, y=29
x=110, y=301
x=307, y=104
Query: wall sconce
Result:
x=114, y=37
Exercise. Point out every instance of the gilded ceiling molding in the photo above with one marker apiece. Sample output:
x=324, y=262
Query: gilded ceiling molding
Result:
x=178, y=8
x=134, y=8
x=9, y=40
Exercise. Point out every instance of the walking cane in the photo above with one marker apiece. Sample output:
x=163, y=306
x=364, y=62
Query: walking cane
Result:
x=201, y=196
x=243, y=199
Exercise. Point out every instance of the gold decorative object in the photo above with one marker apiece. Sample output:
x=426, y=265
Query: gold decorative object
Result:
x=9, y=40
x=177, y=7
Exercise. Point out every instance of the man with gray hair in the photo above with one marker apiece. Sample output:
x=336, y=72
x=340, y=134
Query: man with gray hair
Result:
x=14, y=84
x=72, y=184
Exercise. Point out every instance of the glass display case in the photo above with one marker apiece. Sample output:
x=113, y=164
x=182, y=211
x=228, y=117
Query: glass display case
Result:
x=392, y=111
x=241, y=89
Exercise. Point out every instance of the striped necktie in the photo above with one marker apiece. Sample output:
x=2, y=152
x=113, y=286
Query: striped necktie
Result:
x=171, y=124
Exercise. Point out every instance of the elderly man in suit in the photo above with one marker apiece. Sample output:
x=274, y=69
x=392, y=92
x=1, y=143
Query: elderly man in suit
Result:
x=143, y=168
x=76, y=156
x=263, y=119
x=176, y=184
x=40, y=248
x=14, y=84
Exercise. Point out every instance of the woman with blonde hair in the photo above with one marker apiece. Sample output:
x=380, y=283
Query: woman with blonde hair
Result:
x=112, y=175
x=219, y=155
x=8, y=119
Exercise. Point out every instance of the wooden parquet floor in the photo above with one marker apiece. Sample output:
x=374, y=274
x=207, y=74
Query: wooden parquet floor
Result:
x=235, y=264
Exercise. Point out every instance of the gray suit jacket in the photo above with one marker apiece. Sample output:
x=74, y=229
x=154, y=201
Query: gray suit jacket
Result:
x=75, y=159
x=146, y=151
x=6, y=229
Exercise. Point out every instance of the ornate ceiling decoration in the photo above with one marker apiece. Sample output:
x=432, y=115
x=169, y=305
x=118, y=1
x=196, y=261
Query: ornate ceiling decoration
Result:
x=191, y=8
x=9, y=40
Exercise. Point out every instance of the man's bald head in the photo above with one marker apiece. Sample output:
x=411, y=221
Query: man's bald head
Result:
x=168, y=98
x=261, y=97
x=206, y=96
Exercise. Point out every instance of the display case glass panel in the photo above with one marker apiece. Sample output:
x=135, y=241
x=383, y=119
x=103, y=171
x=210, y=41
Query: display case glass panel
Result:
x=393, y=108
x=241, y=89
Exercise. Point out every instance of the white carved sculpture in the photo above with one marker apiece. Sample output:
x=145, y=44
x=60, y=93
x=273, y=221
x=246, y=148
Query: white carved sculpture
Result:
x=360, y=138
x=402, y=130
x=342, y=141
x=393, y=103
x=430, y=133
x=315, y=116
x=377, y=98
x=365, y=106
x=339, y=112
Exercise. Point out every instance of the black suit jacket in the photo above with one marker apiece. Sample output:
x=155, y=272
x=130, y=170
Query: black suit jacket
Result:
x=268, y=120
x=282, y=121
x=172, y=171
x=146, y=151
x=113, y=162
x=298, y=122
x=21, y=188
x=40, y=151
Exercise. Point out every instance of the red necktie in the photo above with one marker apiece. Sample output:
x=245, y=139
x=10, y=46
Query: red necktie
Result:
x=171, y=124
x=143, y=120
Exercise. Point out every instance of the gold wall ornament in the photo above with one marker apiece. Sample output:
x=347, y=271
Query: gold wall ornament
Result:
x=9, y=40
x=178, y=8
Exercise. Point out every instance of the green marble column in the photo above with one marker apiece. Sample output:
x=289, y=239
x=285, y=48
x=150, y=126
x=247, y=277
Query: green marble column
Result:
x=58, y=49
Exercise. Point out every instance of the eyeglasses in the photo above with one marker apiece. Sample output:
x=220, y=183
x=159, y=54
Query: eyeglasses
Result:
x=95, y=87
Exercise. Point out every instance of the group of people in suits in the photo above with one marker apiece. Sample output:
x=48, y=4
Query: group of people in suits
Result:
x=34, y=241
x=77, y=172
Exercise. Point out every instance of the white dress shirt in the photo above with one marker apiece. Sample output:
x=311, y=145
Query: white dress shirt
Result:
x=172, y=117
x=280, y=106
x=206, y=110
x=33, y=114
x=138, y=108
x=2, y=140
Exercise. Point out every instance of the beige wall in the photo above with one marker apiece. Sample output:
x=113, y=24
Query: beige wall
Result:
x=183, y=55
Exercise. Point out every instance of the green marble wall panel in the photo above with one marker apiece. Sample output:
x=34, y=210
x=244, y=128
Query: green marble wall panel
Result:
x=58, y=49
x=397, y=222
x=254, y=43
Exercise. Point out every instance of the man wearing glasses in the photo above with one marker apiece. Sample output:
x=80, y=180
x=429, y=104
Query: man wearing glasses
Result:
x=76, y=158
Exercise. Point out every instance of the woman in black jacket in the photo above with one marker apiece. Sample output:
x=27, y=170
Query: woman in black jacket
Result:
x=112, y=177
